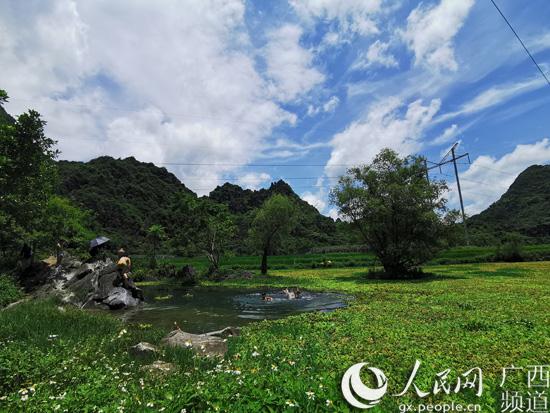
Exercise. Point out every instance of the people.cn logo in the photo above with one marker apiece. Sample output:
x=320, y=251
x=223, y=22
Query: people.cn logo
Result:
x=351, y=383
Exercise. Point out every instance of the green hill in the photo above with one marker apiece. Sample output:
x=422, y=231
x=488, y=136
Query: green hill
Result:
x=312, y=231
x=127, y=196
x=524, y=208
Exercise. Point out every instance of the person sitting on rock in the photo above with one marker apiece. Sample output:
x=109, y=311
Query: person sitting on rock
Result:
x=124, y=266
x=266, y=297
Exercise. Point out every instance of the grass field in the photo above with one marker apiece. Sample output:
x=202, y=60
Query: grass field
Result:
x=487, y=315
x=457, y=255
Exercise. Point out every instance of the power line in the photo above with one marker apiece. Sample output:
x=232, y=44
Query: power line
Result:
x=247, y=164
x=523, y=44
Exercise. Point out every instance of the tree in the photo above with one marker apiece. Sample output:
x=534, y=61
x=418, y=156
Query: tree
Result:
x=62, y=221
x=28, y=175
x=156, y=234
x=215, y=232
x=202, y=226
x=272, y=223
x=400, y=214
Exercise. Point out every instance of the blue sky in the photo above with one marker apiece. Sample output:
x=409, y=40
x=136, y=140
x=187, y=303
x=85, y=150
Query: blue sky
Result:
x=216, y=87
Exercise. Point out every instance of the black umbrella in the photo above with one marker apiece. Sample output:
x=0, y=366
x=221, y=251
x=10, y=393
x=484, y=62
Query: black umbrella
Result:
x=98, y=241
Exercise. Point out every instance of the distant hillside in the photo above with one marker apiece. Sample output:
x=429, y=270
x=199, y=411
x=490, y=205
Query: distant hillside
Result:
x=313, y=229
x=5, y=117
x=524, y=208
x=127, y=196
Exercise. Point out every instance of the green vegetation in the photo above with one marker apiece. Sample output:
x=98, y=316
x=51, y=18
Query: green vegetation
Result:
x=456, y=255
x=9, y=291
x=128, y=197
x=29, y=211
x=399, y=213
x=272, y=223
x=523, y=209
x=484, y=315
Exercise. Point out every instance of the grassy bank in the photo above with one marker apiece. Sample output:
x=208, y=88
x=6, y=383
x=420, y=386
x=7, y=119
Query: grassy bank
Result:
x=457, y=255
x=9, y=291
x=476, y=315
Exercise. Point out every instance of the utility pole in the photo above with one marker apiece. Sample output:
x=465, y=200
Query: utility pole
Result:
x=426, y=169
x=445, y=161
x=460, y=193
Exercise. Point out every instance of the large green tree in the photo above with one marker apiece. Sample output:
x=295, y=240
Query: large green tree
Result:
x=401, y=215
x=272, y=223
x=28, y=175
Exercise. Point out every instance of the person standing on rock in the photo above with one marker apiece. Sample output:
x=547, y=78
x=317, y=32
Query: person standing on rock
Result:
x=124, y=266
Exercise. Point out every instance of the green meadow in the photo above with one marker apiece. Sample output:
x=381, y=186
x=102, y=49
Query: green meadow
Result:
x=456, y=255
x=486, y=315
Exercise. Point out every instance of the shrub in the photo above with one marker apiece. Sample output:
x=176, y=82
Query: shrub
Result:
x=9, y=292
x=510, y=251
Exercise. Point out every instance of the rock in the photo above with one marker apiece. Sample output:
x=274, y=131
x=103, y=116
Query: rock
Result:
x=83, y=271
x=159, y=367
x=84, y=285
x=143, y=350
x=203, y=344
x=120, y=297
x=226, y=332
x=187, y=275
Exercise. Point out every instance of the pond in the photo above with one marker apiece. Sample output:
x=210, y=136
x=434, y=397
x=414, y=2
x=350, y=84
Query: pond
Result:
x=199, y=309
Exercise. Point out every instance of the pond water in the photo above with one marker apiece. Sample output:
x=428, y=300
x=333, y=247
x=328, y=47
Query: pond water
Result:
x=200, y=309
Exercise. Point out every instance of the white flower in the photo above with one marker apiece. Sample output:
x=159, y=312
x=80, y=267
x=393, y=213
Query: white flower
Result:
x=274, y=367
x=52, y=336
x=328, y=402
x=122, y=332
x=310, y=395
x=24, y=397
x=255, y=354
x=290, y=403
x=150, y=404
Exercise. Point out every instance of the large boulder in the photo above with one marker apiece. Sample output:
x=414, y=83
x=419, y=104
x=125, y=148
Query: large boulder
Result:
x=89, y=284
x=120, y=297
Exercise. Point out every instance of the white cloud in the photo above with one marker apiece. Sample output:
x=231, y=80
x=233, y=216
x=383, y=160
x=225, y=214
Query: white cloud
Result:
x=488, y=177
x=334, y=214
x=253, y=180
x=377, y=55
x=353, y=16
x=317, y=200
x=495, y=96
x=383, y=126
x=446, y=136
x=289, y=65
x=328, y=107
x=430, y=32
x=166, y=84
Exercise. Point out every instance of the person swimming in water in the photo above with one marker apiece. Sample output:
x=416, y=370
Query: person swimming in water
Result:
x=290, y=295
x=266, y=297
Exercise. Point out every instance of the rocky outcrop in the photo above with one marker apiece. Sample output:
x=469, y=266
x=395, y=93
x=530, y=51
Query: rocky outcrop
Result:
x=81, y=284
